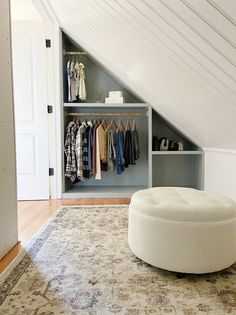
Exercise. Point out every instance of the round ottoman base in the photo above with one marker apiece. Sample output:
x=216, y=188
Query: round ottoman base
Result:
x=181, y=246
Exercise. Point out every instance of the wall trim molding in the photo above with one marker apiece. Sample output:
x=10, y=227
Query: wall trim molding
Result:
x=229, y=151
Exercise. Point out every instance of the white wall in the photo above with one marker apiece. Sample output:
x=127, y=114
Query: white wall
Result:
x=24, y=10
x=220, y=171
x=8, y=209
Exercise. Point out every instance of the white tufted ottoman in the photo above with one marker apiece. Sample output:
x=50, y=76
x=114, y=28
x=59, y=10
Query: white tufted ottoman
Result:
x=183, y=229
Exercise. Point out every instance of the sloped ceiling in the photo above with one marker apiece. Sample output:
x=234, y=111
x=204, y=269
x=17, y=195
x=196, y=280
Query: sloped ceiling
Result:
x=178, y=55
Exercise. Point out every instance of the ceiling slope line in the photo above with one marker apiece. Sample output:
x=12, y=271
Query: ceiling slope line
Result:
x=220, y=10
x=181, y=114
x=208, y=23
x=187, y=63
x=203, y=38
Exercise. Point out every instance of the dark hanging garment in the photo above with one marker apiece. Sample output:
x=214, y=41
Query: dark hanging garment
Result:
x=120, y=161
x=94, y=150
x=128, y=155
x=104, y=166
x=135, y=144
x=132, y=150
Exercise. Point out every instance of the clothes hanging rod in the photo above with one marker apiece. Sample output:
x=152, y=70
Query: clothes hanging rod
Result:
x=75, y=52
x=107, y=114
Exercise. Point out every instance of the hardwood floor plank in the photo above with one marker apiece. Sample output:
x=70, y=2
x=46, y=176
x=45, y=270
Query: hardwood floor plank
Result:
x=33, y=214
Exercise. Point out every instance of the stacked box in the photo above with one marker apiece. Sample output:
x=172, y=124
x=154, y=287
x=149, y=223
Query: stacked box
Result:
x=115, y=94
x=114, y=100
x=115, y=97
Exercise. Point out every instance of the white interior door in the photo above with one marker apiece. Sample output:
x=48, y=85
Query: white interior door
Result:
x=30, y=98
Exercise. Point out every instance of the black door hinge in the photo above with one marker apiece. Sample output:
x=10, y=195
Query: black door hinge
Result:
x=50, y=109
x=48, y=43
x=51, y=171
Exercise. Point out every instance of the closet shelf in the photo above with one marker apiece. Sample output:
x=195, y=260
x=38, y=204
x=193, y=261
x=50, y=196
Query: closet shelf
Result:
x=101, y=191
x=175, y=152
x=106, y=105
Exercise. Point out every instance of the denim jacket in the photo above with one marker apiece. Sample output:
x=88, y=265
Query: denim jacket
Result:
x=120, y=161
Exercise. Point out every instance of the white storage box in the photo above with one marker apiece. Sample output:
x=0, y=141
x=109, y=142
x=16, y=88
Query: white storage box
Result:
x=115, y=94
x=113, y=100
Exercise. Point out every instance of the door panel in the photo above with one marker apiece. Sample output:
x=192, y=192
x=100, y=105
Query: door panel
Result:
x=27, y=159
x=30, y=98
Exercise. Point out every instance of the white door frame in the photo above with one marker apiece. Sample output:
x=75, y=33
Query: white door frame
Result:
x=54, y=95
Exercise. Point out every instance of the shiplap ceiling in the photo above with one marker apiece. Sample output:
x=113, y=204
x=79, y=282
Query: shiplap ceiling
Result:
x=177, y=55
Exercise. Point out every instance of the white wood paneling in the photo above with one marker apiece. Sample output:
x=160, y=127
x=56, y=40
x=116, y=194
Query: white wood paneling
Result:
x=220, y=171
x=179, y=56
x=227, y=8
x=8, y=209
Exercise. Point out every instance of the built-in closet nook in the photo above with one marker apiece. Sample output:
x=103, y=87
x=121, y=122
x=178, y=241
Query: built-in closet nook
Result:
x=180, y=165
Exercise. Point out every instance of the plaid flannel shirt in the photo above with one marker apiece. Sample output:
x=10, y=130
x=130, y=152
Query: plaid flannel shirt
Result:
x=70, y=151
x=79, y=152
x=85, y=149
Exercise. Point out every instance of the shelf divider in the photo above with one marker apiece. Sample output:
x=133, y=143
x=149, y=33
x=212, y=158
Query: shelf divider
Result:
x=176, y=152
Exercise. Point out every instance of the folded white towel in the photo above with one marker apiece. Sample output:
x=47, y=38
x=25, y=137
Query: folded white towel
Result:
x=115, y=94
x=113, y=100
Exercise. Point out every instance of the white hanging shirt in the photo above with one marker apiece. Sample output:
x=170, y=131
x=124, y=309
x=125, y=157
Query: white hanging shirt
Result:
x=82, y=88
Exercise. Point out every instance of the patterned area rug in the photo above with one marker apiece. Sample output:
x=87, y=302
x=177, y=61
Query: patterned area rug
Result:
x=80, y=263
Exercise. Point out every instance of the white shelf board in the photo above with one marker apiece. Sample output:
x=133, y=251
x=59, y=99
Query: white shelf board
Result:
x=176, y=152
x=101, y=191
x=105, y=105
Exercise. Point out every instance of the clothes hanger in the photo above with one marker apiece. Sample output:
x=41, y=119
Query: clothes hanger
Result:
x=120, y=125
x=90, y=121
x=74, y=120
x=109, y=125
x=104, y=122
x=78, y=120
x=127, y=127
x=134, y=124
x=112, y=122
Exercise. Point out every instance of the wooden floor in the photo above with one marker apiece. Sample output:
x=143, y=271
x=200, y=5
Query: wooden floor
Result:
x=32, y=214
